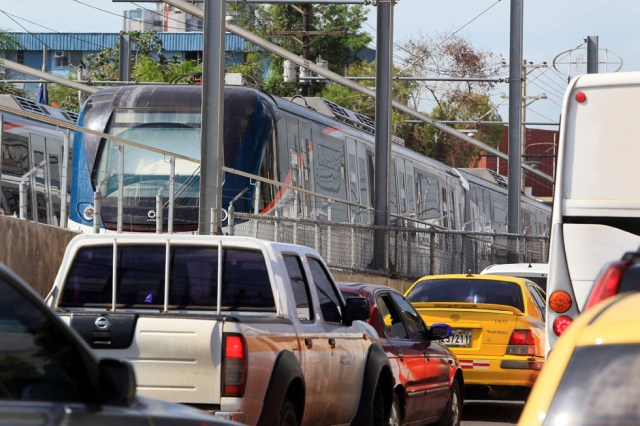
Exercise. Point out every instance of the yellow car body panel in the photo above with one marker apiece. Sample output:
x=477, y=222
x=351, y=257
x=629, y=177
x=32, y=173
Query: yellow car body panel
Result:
x=485, y=359
x=614, y=321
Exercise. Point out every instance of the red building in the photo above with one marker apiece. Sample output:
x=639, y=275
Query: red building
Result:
x=541, y=147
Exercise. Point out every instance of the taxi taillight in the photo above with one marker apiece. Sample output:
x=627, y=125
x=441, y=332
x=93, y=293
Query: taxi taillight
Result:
x=561, y=323
x=521, y=342
x=608, y=283
x=234, y=365
x=560, y=301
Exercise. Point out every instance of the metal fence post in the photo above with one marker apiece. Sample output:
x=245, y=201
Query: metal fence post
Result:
x=97, y=207
x=23, y=200
x=159, y=213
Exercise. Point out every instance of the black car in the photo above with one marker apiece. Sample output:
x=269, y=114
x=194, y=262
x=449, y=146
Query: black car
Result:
x=48, y=375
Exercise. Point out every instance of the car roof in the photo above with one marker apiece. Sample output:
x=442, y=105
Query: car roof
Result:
x=518, y=269
x=518, y=280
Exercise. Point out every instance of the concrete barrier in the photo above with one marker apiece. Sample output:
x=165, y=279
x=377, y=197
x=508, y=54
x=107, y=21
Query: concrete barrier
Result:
x=33, y=250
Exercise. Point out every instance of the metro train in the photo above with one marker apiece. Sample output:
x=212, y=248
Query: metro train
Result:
x=32, y=153
x=308, y=143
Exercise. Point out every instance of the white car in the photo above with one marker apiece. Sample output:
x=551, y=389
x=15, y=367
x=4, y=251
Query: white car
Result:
x=536, y=272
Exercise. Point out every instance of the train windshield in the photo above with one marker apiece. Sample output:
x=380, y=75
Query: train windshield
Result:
x=171, y=131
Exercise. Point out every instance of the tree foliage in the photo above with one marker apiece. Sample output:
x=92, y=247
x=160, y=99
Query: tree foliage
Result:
x=148, y=63
x=461, y=98
x=333, y=33
x=7, y=44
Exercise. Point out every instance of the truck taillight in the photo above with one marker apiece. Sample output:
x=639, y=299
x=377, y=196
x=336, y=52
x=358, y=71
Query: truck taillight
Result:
x=234, y=365
x=521, y=343
x=607, y=283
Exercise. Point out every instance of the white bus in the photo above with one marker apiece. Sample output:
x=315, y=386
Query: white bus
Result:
x=596, y=204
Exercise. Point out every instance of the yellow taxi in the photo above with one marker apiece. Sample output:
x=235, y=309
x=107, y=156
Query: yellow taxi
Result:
x=498, y=332
x=591, y=374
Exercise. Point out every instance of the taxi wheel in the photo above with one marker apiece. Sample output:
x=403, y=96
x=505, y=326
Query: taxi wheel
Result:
x=453, y=413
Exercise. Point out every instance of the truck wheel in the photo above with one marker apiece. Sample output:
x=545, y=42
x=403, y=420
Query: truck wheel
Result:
x=288, y=414
x=379, y=417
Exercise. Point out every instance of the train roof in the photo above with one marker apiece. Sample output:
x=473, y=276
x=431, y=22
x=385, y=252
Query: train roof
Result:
x=29, y=105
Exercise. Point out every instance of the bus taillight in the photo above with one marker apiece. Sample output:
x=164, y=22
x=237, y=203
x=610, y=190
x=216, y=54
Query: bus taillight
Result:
x=560, y=301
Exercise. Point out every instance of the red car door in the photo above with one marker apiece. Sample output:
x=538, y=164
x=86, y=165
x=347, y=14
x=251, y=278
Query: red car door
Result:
x=406, y=352
x=436, y=361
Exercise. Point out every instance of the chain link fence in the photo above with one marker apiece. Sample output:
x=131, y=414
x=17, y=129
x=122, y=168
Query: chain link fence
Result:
x=410, y=251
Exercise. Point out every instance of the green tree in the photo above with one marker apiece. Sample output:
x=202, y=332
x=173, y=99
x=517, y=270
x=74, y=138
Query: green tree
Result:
x=460, y=98
x=148, y=64
x=7, y=44
x=331, y=32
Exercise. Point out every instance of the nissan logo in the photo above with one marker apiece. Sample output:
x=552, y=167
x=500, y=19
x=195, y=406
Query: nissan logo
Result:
x=103, y=323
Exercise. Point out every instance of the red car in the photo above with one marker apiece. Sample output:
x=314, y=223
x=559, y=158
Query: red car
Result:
x=428, y=379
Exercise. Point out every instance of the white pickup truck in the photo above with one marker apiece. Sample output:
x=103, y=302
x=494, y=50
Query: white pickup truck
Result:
x=254, y=331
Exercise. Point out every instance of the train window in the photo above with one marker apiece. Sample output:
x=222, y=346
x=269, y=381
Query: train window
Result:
x=15, y=154
x=364, y=188
x=402, y=199
x=353, y=179
x=268, y=169
x=393, y=191
x=445, y=209
x=411, y=200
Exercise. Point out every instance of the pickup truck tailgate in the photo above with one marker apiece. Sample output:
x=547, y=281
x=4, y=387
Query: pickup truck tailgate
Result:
x=172, y=357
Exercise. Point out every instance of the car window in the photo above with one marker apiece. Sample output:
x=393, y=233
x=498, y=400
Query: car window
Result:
x=329, y=298
x=609, y=394
x=193, y=280
x=538, y=298
x=468, y=290
x=391, y=317
x=300, y=287
x=38, y=361
x=411, y=317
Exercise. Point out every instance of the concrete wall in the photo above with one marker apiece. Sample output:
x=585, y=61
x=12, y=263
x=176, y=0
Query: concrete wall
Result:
x=33, y=250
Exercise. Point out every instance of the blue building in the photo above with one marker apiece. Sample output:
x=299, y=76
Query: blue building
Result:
x=64, y=52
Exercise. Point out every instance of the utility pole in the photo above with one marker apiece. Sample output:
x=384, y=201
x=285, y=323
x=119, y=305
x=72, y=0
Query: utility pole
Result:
x=515, y=119
x=592, y=54
x=384, y=50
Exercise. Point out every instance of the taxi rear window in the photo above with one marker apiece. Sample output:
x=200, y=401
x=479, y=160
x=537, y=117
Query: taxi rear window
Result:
x=600, y=386
x=468, y=290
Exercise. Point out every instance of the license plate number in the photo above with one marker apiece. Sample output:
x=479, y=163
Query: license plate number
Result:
x=460, y=338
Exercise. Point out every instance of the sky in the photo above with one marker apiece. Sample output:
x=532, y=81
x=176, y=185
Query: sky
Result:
x=552, y=29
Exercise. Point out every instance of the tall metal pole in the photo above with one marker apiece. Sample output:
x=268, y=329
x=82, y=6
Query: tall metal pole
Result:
x=515, y=118
x=212, y=149
x=592, y=54
x=124, y=70
x=383, y=128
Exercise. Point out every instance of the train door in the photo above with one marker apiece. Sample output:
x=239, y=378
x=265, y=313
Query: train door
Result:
x=406, y=188
x=298, y=204
x=365, y=188
x=353, y=180
x=306, y=174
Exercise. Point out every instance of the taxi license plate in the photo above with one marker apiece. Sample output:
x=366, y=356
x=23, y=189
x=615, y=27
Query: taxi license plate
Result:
x=459, y=338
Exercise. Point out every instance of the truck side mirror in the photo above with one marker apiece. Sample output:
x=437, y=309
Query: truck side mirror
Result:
x=357, y=309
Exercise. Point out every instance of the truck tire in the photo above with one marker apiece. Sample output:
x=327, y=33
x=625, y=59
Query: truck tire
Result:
x=377, y=390
x=288, y=414
x=277, y=402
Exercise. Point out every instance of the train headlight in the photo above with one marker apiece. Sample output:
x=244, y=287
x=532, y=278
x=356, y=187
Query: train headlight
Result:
x=88, y=213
